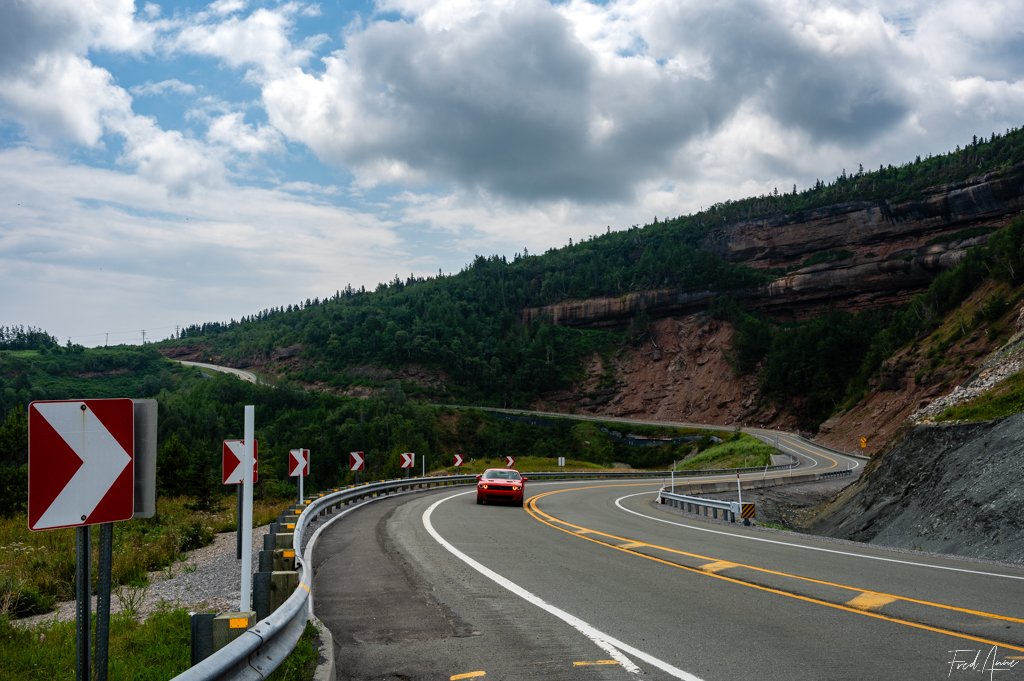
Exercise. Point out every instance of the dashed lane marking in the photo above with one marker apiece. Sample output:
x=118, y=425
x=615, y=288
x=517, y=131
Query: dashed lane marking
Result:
x=869, y=600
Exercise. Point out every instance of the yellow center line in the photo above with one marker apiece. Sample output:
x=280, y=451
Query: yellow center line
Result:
x=578, y=529
x=718, y=565
x=562, y=525
x=632, y=545
x=467, y=675
x=593, y=663
x=796, y=444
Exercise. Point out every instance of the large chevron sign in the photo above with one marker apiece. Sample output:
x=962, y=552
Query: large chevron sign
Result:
x=80, y=462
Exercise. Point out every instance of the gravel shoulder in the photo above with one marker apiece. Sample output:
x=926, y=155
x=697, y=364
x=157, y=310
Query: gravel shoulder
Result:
x=206, y=580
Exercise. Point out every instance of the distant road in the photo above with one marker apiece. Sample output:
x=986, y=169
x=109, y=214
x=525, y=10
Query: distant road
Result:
x=812, y=454
x=240, y=373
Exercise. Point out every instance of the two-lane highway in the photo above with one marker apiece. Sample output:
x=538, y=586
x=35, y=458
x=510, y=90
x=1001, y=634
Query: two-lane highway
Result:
x=596, y=581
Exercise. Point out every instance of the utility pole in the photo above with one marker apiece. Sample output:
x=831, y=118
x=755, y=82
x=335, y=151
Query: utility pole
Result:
x=143, y=336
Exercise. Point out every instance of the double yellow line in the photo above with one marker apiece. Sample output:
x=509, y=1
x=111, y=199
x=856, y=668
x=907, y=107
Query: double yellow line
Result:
x=866, y=602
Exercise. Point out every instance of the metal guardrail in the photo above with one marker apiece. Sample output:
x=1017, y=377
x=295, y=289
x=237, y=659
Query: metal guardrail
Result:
x=702, y=506
x=259, y=651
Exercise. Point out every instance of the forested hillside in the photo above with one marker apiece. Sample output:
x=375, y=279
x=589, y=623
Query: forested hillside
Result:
x=469, y=337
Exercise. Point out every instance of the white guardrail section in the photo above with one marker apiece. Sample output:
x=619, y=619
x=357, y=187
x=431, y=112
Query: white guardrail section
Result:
x=702, y=506
x=260, y=650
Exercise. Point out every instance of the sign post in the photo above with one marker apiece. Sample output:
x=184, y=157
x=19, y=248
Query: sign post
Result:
x=231, y=474
x=248, y=458
x=298, y=466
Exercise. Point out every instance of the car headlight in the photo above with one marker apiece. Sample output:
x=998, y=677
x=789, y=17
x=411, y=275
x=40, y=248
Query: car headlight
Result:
x=483, y=486
x=515, y=488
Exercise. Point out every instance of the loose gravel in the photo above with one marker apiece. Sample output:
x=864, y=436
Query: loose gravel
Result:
x=207, y=580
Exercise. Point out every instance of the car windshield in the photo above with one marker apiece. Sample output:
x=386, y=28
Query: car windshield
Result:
x=501, y=475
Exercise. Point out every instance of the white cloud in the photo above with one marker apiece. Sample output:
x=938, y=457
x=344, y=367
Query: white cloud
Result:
x=225, y=7
x=151, y=89
x=62, y=96
x=260, y=39
x=168, y=157
x=231, y=130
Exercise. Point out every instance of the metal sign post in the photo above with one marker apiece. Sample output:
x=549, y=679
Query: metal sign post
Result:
x=83, y=605
x=245, y=604
x=739, y=489
x=238, y=523
x=102, y=643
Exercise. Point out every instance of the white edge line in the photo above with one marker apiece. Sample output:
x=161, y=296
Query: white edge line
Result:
x=809, y=548
x=610, y=645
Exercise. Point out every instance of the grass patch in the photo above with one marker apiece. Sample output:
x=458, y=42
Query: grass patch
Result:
x=37, y=569
x=154, y=650
x=300, y=665
x=740, y=451
x=1004, y=400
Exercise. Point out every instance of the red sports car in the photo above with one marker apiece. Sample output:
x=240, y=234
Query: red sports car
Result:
x=500, y=484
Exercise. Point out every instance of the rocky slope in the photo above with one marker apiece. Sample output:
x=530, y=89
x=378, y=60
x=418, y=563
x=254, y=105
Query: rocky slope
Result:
x=944, y=488
x=680, y=372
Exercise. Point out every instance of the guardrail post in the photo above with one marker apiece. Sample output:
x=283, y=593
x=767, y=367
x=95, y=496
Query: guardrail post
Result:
x=201, y=635
x=272, y=589
x=227, y=626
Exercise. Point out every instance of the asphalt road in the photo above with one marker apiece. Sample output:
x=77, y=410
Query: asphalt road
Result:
x=239, y=373
x=593, y=580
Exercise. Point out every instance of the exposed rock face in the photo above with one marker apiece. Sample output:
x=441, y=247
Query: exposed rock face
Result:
x=680, y=373
x=883, y=227
x=890, y=251
x=947, y=489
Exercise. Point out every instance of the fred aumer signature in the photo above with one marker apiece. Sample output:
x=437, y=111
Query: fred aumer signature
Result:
x=972, y=661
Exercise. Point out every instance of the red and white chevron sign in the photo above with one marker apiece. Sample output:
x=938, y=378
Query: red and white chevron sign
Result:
x=510, y=461
x=81, y=462
x=458, y=459
x=231, y=461
x=356, y=461
x=298, y=462
x=408, y=459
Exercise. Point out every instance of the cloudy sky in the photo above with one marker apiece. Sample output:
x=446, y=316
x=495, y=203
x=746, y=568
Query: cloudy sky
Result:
x=168, y=163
